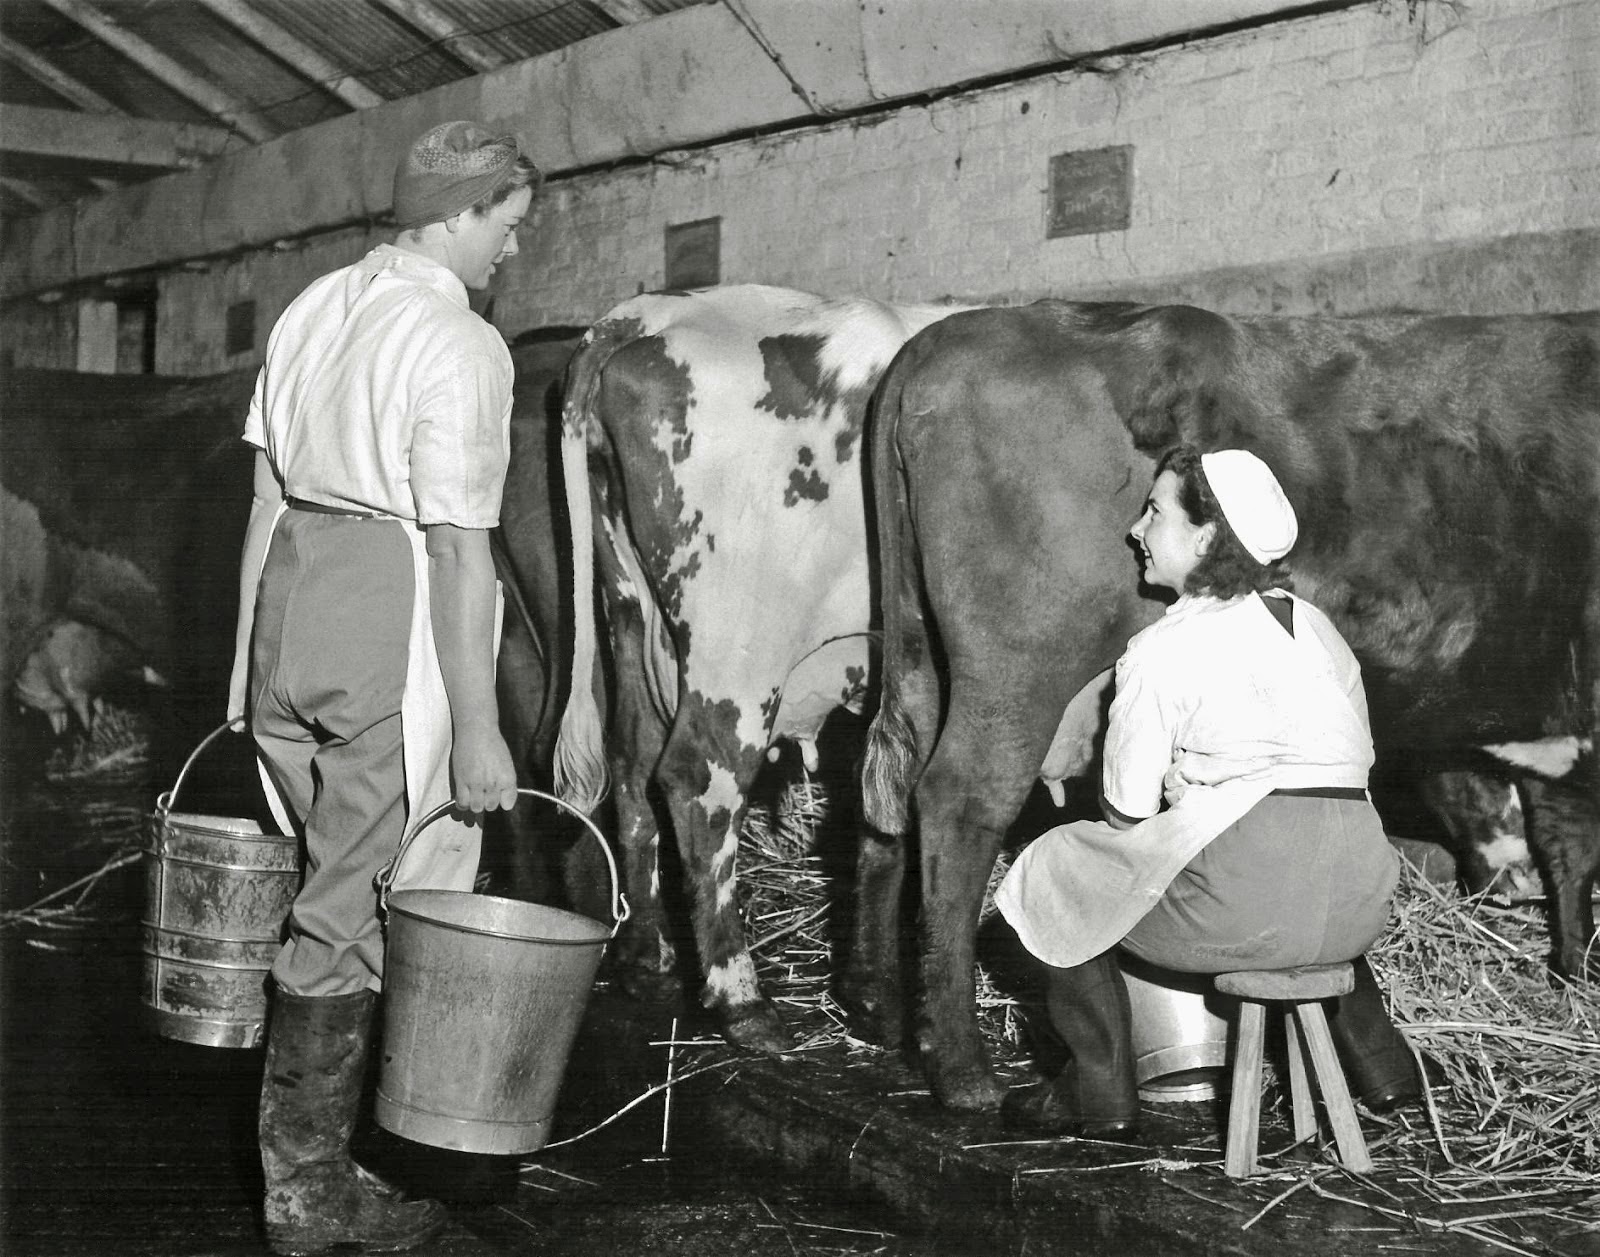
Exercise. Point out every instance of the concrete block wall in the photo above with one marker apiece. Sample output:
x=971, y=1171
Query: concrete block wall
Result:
x=1436, y=156
x=193, y=304
x=1365, y=159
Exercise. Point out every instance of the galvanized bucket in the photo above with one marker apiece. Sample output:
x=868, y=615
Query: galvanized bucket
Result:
x=482, y=999
x=1180, y=1033
x=217, y=891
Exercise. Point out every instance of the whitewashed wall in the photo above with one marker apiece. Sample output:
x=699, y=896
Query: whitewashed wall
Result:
x=1348, y=161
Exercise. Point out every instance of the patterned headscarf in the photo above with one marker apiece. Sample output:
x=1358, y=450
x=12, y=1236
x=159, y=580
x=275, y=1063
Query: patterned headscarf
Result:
x=448, y=169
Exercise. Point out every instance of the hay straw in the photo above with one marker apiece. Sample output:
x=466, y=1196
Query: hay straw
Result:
x=77, y=913
x=116, y=745
x=1517, y=1109
x=1519, y=1049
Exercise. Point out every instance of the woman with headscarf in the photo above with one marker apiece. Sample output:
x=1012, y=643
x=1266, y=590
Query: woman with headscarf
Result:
x=1238, y=830
x=368, y=618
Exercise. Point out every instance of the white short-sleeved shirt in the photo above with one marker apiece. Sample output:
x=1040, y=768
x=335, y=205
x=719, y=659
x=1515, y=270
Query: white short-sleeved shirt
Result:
x=1217, y=691
x=382, y=391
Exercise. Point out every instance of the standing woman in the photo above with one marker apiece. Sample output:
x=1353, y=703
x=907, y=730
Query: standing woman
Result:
x=368, y=621
x=1238, y=832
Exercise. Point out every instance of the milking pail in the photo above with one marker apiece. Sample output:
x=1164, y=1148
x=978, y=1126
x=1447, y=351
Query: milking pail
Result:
x=482, y=998
x=1180, y=1032
x=217, y=892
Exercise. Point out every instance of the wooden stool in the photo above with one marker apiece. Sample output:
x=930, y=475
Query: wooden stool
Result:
x=1300, y=989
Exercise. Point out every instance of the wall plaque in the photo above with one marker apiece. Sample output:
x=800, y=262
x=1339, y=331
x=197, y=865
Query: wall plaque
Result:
x=1090, y=191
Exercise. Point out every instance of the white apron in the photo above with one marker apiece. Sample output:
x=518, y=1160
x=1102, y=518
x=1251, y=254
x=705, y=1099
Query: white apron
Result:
x=1086, y=884
x=444, y=856
x=1078, y=889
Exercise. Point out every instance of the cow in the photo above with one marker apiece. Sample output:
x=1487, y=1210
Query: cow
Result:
x=530, y=685
x=1446, y=473
x=717, y=436
x=124, y=507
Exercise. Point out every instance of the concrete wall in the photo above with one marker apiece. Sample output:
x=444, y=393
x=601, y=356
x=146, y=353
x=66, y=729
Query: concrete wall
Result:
x=1368, y=158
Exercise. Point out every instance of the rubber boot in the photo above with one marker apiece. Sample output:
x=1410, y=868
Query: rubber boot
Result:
x=1095, y=1095
x=1381, y=1070
x=316, y=1195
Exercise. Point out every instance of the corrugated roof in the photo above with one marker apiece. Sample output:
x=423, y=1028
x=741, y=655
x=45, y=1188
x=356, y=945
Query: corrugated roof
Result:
x=387, y=46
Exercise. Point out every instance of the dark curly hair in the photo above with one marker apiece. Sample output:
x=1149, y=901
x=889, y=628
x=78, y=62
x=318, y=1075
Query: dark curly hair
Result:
x=1227, y=569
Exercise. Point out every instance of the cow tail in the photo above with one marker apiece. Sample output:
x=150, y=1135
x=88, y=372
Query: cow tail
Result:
x=890, y=764
x=580, y=773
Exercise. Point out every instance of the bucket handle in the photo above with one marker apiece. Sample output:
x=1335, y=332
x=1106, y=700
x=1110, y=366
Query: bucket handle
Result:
x=167, y=798
x=620, y=911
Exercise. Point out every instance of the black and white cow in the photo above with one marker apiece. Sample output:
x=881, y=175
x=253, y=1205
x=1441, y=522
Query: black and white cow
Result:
x=720, y=436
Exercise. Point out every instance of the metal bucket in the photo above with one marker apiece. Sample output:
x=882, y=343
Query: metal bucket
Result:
x=217, y=891
x=482, y=999
x=1180, y=1033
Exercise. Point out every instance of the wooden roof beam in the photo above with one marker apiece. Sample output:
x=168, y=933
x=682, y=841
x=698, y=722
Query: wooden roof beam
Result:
x=458, y=43
x=298, y=55
x=55, y=78
x=109, y=139
x=208, y=94
x=623, y=12
x=24, y=191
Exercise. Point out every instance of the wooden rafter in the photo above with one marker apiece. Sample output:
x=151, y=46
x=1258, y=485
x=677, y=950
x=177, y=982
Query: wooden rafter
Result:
x=55, y=78
x=458, y=43
x=623, y=12
x=109, y=139
x=294, y=52
x=63, y=85
x=23, y=191
x=207, y=93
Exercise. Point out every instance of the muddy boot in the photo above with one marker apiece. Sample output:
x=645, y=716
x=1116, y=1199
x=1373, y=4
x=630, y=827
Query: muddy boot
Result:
x=1095, y=1095
x=316, y=1195
x=1382, y=1072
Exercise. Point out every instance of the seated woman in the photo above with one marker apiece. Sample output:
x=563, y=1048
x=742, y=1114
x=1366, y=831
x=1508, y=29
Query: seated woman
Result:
x=1238, y=832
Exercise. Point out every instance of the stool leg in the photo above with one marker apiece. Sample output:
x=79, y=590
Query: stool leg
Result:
x=1244, y=1109
x=1335, y=1094
x=1305, y=1115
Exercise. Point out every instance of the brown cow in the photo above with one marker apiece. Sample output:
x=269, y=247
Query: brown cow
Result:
x=1446, y=472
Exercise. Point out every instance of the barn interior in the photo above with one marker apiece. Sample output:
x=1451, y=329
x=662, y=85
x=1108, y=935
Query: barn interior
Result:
x=174, y=172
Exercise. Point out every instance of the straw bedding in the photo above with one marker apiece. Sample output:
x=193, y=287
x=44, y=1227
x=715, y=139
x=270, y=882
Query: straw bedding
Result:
x=1518, y=1102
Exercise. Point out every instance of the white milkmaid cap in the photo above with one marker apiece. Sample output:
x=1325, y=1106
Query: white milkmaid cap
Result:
x=1253, y=503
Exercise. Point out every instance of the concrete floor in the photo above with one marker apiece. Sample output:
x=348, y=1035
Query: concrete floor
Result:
x=120, y=1143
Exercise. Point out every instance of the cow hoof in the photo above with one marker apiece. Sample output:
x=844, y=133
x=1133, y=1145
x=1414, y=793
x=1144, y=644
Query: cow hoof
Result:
x=967, y=1090
x=757, y=1029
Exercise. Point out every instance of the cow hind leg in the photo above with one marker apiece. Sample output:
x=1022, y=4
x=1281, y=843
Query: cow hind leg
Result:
x=1564, y=833
x=646, y=958
x=961, y=836
x=871, y=987
x=708, y=801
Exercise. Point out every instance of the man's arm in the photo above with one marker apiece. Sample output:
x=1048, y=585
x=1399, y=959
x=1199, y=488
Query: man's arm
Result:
x=266, y=494
x=461, y=595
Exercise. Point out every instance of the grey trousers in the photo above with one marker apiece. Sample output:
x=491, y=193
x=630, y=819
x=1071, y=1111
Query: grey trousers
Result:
x=328, y=671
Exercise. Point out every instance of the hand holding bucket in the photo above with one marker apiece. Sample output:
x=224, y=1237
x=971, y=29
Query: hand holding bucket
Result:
x=482, y=999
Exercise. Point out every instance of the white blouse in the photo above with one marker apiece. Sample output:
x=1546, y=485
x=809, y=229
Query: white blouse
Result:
x=1217, y=691
x=382, y=391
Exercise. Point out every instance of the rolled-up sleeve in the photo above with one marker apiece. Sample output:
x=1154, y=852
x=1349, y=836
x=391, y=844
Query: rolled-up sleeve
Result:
x=255, y=424
x=461, y=443
x=1139, y=739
